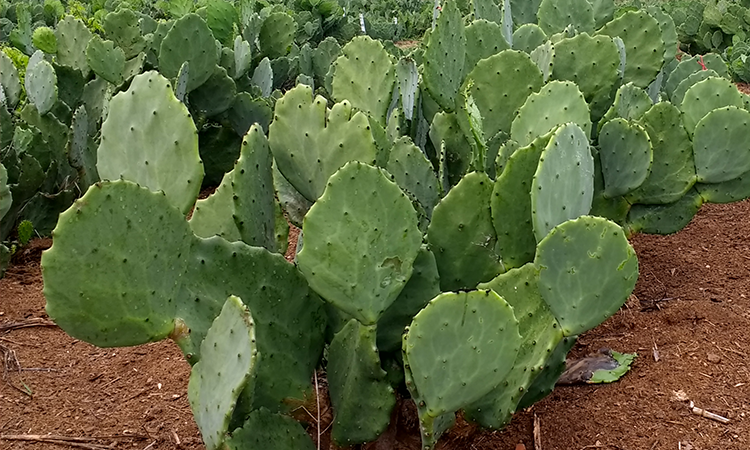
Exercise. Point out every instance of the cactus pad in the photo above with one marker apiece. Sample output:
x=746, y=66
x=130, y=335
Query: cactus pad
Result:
x=563, y=186
x=626, y=154
x=149, y=138
x=459, y=347
x=270, y=431
x=445, y=56
x=557, y=103
x=361, y=397
x=134, y=254
x=189, y=40
x=500, y=85
x=720, y=145
x=672, y=168
x=41, y=83
x=365, y=76
x=350, y=256
x=556, y=15
x=106, y=60
x=575, y=254
x=483, y=39
x=706, y=96
x=310, y=142
x=229, y=355
x=664, y=219
x=462, y=236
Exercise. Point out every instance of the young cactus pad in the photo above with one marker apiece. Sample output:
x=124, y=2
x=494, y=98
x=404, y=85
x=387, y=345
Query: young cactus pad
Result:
x=459, y=347
x=229, y=355
x=588, y=270
x=361, y=239
x=149, y=138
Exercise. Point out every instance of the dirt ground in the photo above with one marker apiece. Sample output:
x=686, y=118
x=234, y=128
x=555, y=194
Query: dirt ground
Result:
x=688, y=321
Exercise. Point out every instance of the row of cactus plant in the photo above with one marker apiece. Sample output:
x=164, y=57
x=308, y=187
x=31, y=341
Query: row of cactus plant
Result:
x=454, y=203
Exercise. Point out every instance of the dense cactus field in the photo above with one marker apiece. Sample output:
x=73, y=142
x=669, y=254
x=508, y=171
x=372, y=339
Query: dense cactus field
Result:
x=464, y=202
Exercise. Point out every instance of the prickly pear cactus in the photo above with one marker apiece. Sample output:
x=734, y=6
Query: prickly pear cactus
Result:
x=644, y=47
x=631, y=102
x=720, y=145
x=149, y=138
x=673, y=167
x=706, y=96
x=528, y=37
x=626, y=154
x=310, y=142
x=412, y=171
x=141, y=270
x=556, y=15
x=123, y=27
x=587, y=248
x=41, y=83
x=540, y=334
x=349, y=255
x=277, y=35
x=493, y=85
x=456, y=350
x=563, y=186
x=72, y=38
x=511, y=204
x=106, y=60
x=483, y=39
x=189, y=40
x=10, y=81
x=5, y=196
x=664, y=219
x=360, y=394
x=557, y=103
x=444, y=57
x=271, y=431
x=365, y=76
x=462, y=236
x=229, y=357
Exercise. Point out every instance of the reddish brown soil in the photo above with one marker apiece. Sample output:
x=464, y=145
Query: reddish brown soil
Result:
x=690, y=308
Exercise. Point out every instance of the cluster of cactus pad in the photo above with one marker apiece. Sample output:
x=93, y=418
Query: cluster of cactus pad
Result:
x=455, y=201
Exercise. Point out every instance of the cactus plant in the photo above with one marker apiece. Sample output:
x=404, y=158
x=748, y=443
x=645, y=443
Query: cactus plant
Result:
x=189, y=40
x=444, y=57
x=106, y=60
x=41, y=83
x=149, y=138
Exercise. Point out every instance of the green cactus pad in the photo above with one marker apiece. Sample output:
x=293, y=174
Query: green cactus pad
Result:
x=528, y=37
x=588, y=270
x=556, y=15
x=277, y=35
x=540, y=334
x=524, y=11
x=557, y=103
x=253, y=192
x=45, y=40
x=106, y=60
x=82, y=149
x=720, y=145
x=511, y=205
x=563, y=185
x=364, y=75
x=269, y=431
x=214, y=96
x=135, y=254
x=668, y=32
x=462, y=236
x=447, y=136
x=413, y=173
x=351, y=257
x=189, y=40
x=422, y=287
x=72, y=38
x=691, y=65
x=10, y=81
x=361, y=397
x=672, y=168
x=289, y=320
x=644, y=47
x=726, y=192
x=706, y=96
x=228, y=362
x=483, y=39
x=592, y=63
x=41, y=83
x=631, y=102
x=213, y=216
x=612, y=208
x=445, y=56
x=664, y=219
x=310, y=142
x=688, y=82
x=626, y=154
x=6, y=199
x=149, y=138
x=459, y=348
x=500, y=85
x=123, y=27
x=553, y=368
